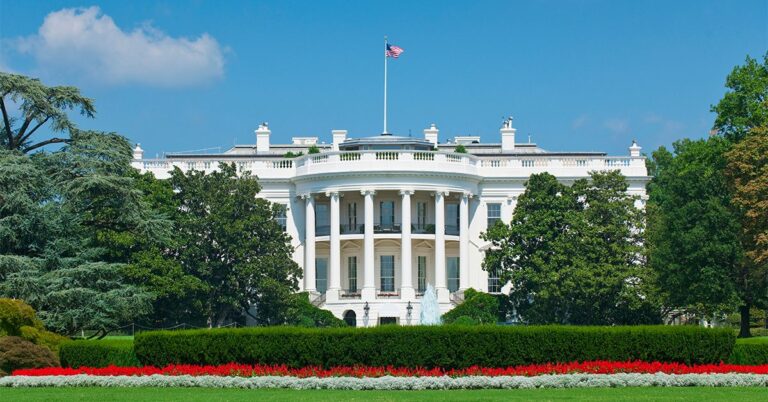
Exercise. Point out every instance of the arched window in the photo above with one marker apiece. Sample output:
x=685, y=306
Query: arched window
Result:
x=350, y=318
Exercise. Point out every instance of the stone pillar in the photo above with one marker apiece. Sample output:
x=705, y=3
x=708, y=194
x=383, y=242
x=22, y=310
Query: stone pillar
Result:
x=309, y=244
x=464, y=242
x=334, y=274
x=440, y=274
x=406, y=281
x=369, y=285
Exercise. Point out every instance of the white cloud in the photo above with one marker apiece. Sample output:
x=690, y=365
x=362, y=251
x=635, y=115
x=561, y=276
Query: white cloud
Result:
x=580, y=121
x=617, y=126
x=85, y=42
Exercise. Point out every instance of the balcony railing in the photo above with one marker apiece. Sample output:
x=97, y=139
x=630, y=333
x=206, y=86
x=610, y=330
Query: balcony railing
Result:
x=423, y=228
x=384, y=228
x=387, y=227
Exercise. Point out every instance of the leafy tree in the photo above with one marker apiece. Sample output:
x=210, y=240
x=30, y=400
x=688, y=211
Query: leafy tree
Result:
x=481, y=308
x=38, y=106
x=302, y=313
x=231, y=242
x=572, y=254
x=745, y=106
x=313, y=150
x=694, y=242
x=460, y=149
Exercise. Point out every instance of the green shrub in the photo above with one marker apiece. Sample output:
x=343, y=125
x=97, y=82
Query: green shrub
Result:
x=17, y=353
x=460, y=149
x=15, y=314
x=42, y=337
x=313, y=150
x=98, y=353
x=750, y=351
x=464, y=320
x=448, y=346
x=304, y=314
x=482, y=308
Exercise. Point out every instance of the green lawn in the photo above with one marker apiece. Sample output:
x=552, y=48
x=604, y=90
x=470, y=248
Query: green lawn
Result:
x=209, y=394
x=758, y=339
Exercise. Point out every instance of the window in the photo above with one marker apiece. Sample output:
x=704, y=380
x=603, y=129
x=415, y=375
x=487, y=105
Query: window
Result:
x=321, y=274
x=352, y=216
x=387, y=320
x=352, y=273
x=452, y=219
x=452, y=265
x=421, y=216
x=322, y=220
x=422, y=273
x=207, y=164
x=387, y=214
x=494, y=214
x=387, y=273
x=494, y=283
x=282, y=216
x=191, y=165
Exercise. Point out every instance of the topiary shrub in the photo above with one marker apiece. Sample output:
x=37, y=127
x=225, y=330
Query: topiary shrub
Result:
x=42, y=337
x=17, y=353
x=481, y=308
x=15, y=314
x=752, y=351
x=447, y=346
x=98, y=353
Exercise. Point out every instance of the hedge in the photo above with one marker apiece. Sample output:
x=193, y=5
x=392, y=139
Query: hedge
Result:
x=439, y=346
x=98, y=353
x=751, y=351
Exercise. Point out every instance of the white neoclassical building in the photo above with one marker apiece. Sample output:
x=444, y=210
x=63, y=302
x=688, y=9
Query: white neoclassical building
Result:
x=374, y=220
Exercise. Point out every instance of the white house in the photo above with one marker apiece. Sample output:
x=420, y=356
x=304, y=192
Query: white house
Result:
x=375, y=219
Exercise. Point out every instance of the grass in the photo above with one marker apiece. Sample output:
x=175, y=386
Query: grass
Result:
x=757, y=339
x=211, y=394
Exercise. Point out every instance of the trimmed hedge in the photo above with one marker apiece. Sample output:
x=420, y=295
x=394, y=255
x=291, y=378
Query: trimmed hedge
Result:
x=438, y=346
x=98, y=353
x=750, y=351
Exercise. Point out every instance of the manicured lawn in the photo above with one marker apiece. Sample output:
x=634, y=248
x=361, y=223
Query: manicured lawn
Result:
x=208, y=394
x=759, y=339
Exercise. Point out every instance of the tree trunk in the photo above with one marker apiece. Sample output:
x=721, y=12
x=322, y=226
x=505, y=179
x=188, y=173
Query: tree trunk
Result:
x=744, y=331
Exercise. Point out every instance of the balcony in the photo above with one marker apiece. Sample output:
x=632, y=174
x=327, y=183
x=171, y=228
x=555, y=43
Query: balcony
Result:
x=387, y=227
x=352, y=229
x=350, y=294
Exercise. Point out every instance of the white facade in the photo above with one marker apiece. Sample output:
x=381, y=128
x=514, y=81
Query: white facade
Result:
x=373, y=220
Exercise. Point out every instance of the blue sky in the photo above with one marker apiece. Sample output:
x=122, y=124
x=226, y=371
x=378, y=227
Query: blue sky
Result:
x=576, y=75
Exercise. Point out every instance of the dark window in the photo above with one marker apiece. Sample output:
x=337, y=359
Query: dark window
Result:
x=494, y=214
x=422, y=273
x=494, y=283
x=387, y=273
x=350, y=318
x=387, y=320
x=452, y=265
x=321, y=274
x=352, y=273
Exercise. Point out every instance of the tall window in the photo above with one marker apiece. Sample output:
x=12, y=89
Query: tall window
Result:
x=321, y=274
x=452, y=265
x=387, y=273
x=387, y=214
x=452, y=219
x=282, y=215
x=421, y=216
x=494, y=283
x=422, y=273
x=352, y=216
x=322, y=220
x=352, y=273
x=494, y=214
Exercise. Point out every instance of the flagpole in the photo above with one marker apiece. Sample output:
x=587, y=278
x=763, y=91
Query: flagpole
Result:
x=385, y=84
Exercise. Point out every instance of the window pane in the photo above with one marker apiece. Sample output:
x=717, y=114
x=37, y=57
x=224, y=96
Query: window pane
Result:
x=422, y=274
x=494, y=283
x=387, y=273
x=321, y=274
x=452, y=265
x=282, y=215
x=387, y=213
x=452, y=219
x=322, y=223
x=352, y=273
x=494, y=214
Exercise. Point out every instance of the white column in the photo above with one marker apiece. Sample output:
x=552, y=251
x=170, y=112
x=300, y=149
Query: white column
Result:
x=406, y=283
x=369, y=288
x=440, y=274
x=309, y=243
x=464, y=242
x=334, y=273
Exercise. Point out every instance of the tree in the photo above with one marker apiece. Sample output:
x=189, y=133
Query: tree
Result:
x=38, y=105
x=745, y=106
x=460, y=149
x=573, y=254
x=479, y=307
x=231, y=242
x=313, y=150
x=694, y=242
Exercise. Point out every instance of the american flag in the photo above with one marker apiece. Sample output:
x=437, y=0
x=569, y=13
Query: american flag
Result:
x=393, y=51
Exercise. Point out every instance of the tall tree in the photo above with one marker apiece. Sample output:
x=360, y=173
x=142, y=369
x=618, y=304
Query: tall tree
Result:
x=745, y=106
x=38, y=105
x=231, y=241
x=694, y=242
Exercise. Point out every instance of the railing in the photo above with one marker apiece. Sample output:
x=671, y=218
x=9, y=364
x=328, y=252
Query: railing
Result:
x=387, y=294
x=352, y=229
x=423, y=228
x=386, y=227
x=350, y=294
x=452, y=230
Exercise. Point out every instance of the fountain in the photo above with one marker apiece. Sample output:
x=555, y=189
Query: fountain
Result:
x=430, y=310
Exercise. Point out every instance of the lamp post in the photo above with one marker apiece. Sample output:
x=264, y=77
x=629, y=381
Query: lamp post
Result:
x=408, y=314
x=366, y=309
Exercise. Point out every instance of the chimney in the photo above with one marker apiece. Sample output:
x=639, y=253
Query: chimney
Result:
x=430, y=134
x=339, y=136
x=507, y=136
x=262, y=138
x=138, y=153
x=634, y=150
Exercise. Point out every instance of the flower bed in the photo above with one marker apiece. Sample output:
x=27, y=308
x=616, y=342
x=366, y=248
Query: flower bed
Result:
x=245, y=370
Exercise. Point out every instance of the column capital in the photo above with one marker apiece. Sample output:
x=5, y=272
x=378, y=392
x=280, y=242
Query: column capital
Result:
x=333, y=194
x=467, y=194
x=407, y=192
x=367, y=191
x=444, y=193
x=306, y=196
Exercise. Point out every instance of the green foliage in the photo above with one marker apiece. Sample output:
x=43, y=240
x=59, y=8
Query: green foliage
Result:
x=313, y=150
x=745, y=105
x=477, y=308
x=98, y=353
x=750, y=351
x=302, y=313
x=290, y=154
x=460, y=149
x=19, y=319
x=573, y=254
x=17, y=353
x=38, y=105
x=450, y=346
x=694, y=244
x=230, y=241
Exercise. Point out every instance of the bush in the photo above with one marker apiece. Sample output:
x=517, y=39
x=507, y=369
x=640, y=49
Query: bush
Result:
x=750, y=351
x=304, y=314
x=446, y=346
x=16, y=353
x=42, y=337
x=464, y=320
x=15, y=314
x=98, y=353
x=482, y=308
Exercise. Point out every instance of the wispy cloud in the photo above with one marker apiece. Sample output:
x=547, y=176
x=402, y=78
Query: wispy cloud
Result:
x=616, y=125
x=86, y=42
x=580, y=121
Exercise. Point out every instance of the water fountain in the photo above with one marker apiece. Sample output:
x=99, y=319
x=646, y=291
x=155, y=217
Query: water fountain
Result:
x=430, y=310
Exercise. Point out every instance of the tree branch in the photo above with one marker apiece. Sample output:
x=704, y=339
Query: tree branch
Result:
x=7, y=122
x=46, y=142
x=29, y=134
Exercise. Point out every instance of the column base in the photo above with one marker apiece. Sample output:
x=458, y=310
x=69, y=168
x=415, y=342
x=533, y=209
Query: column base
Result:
x=332, y=295
x=407, y=294
x=368, y=294
x=443, y=295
